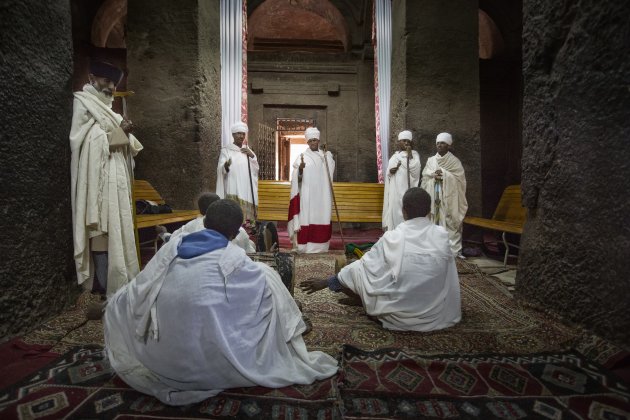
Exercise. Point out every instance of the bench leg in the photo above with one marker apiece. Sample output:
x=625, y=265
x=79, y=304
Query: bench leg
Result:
x=507, y=249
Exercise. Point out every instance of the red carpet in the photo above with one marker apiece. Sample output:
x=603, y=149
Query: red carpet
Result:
x=386, y=383
x=351, y=236
x=20, y=360
x=391, y=383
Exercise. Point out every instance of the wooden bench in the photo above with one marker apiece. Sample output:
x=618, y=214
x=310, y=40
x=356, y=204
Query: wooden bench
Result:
x=143, y=190
x=508, y=217
x=356, y=201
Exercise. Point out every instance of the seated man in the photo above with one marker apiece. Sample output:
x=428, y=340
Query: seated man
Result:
x=408, y=280
x=203, y=317
x=195, y=225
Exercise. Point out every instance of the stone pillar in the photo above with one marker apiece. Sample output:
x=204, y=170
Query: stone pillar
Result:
x=576, y=151
x=173, y=56
x=37, y=272
x=435, y=81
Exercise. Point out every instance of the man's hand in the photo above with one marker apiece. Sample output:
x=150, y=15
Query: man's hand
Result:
x=227, y=164
x=248, y=152
x=409, y=154
x=126, y=125
x=313, y=285
x=395, y=169
x=438, y=174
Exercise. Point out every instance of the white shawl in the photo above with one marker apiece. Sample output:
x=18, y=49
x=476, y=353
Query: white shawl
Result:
x=453, y=205
x=396, y=186
x=408, y=280
x=311, y=198
x=235, y=183
x=185, y=329
x=101, y=186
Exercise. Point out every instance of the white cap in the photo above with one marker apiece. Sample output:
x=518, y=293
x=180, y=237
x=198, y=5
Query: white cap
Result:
x=445, y=138
x=405, y=135
x=311, y=133
x=239, y=127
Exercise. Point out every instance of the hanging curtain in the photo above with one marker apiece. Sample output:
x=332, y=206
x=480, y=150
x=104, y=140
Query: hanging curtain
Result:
x=244, y=64
x=233, y=66
x=382, y=41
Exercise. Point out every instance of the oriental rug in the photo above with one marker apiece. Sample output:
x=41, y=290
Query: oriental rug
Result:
x=383, y=384
x=81, y=385
x=492, y=321
x=402, y=384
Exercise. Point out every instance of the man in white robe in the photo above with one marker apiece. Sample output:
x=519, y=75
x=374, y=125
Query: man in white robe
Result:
x=203, y=317
x=237, y=173
x=408, y=280
x=444, y=179
x=101, y=169
x=203, y=202
x=310, y=206
x=403, y=172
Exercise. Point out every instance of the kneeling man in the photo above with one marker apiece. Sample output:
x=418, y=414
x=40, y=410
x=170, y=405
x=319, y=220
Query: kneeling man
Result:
x=408, y=280
x=203, y=317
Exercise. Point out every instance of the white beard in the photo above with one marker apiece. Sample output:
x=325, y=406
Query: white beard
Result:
x=106, y=99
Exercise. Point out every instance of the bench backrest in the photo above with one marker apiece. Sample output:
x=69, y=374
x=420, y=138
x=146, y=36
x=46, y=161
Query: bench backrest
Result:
x=143, y=190
x=510, y=208
x=357, y=202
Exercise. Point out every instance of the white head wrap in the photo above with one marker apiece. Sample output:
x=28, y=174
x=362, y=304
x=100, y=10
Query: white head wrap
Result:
x=311, y=133
x=239, y=127
x=405, y=135
x=445, y=138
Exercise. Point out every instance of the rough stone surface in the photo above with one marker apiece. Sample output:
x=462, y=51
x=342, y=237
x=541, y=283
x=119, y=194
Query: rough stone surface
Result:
x=173, y=58
x=37, y=272
x=440, y=69
x=576, y=244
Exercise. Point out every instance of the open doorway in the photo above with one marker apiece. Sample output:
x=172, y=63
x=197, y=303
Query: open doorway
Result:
x=290, y=143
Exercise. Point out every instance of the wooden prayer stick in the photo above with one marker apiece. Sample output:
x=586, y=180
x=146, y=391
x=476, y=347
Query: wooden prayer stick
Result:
x=332, y=191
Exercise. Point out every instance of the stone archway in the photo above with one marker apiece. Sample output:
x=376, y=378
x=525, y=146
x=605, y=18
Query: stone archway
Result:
x=490, y=39
x=311, y=25
x=108, y=26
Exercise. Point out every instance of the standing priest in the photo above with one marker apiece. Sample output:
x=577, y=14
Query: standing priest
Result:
x=237, y=172
x=310, y=207
x=403, y=172
x=101, y=183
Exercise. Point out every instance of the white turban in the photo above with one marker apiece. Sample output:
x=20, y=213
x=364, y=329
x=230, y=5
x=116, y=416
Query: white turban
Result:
x=311, y=133
x=445, y=138
x=405, y=135
x=239, y=127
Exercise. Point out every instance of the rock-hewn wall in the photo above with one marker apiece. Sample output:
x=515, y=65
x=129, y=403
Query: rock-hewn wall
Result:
x=337, y=90
x=173, y=59
x=576, y=162
x=441, y=81
x=37, y=276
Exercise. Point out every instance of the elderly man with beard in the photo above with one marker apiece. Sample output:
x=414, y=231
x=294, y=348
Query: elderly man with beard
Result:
x=101, y=172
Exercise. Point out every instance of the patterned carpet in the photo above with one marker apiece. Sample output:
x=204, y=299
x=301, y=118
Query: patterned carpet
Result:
x=81, y=385
x=398, y=384
x=560, y=371
x=492, y=322
x=382, y=384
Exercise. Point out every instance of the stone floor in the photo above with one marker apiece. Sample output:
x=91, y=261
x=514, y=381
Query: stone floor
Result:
x=505, y=274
